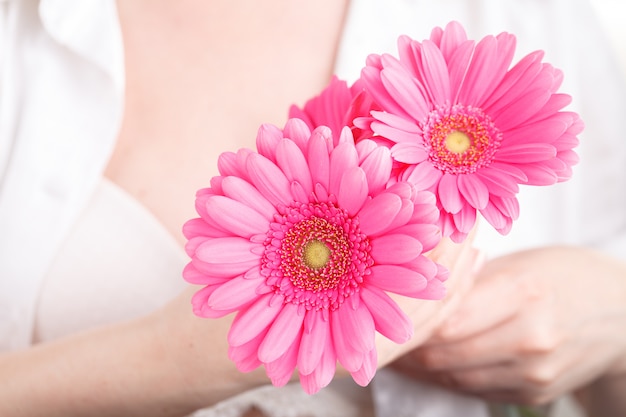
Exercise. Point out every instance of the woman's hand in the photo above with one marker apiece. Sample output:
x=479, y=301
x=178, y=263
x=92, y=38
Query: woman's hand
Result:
x=535, y=325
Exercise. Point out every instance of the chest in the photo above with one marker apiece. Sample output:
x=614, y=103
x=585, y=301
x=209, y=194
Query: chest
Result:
x=200, y=79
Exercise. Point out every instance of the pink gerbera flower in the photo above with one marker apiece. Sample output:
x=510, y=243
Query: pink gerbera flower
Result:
x=303, y=240
x=467, y=127
x=337, y=106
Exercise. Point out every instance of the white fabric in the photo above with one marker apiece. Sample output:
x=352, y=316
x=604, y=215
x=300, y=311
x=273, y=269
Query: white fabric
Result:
x=117, y=262
x=61, y=103
x=58, y=129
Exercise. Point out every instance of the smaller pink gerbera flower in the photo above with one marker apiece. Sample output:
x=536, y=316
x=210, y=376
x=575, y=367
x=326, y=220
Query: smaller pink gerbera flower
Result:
x=467, y=127
x=303, y=240
x=337, y=106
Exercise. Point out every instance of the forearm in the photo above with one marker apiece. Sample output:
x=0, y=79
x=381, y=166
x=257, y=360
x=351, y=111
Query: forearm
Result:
x=129, y=369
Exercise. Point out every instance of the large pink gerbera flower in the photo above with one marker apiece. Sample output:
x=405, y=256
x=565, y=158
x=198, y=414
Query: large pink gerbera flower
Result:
x=467, y=127
x=303, y=240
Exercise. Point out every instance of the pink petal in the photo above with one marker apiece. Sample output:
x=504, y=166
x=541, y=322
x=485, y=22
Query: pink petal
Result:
x=350, y=358
x=427, y=233
x=377, y=167
x=280, y=370
x=267, y=140
x=353, y=190
x=465, y=219
x=514, y=83
x=342, y=157
x=395, y=248
x=545, y=131
x=237, y=217
x=489, y=65
x=198, y=227
x=424, y=265
x=494, y=216
x=235, y=293
x=324, y=372
x=539, y=175
x=450, y=39
x=397, y=122
x=498, y=183
x=449, y=194
x=434, y=291
x=226, y=256
x=371, y=77
x=192, y=275
x=396, y=279
x=378, y=213
x=364, y=375
x=357, y=326
x=281, y=334
x=404, y=215
x=250, y=322
x=423, y=175
x=200, y=306
x=394, y=134
x=227, y=250
x=408, y=153
x=509, y=207
x=404, y=91
x=473, y=190
x=292, y=162
x=298, y=132
x=245, y=356
x=425, y=212
x=524, y=153
x=521, y=109
x=242, y=191
x=230, y=163
x=318, y=156
x=389, y=319
x=435, y=73
x=316, y=332
x=458, y=64
x=365, y=147
x=268, y=179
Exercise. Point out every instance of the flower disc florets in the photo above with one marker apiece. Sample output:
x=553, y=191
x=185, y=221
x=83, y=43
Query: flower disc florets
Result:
x=315, y=255
x=460, y=139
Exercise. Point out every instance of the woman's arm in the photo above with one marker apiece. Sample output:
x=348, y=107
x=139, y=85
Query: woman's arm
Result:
x=167, y=364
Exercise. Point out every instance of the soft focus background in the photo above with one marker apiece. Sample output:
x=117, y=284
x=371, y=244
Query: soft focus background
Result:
x=613, y=14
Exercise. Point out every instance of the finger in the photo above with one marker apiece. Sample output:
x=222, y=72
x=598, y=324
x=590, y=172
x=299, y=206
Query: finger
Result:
x=492, y=300
x=497, y=345
x=480, y=380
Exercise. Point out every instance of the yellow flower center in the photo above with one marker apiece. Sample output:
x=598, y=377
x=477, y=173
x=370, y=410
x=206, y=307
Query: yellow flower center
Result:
x=316, y=254
x=457, y=142
x=461, y=139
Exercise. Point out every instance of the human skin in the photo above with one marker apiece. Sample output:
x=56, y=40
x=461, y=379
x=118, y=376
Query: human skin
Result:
x=555, y=324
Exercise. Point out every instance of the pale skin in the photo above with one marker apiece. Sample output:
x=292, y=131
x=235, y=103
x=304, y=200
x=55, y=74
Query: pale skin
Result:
x=555, y=324
x=198, y=85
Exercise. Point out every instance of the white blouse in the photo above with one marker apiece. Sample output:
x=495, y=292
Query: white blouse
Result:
x=61, y=96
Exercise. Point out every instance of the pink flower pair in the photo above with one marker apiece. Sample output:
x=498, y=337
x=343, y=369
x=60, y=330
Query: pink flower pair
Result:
x=304, y=238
